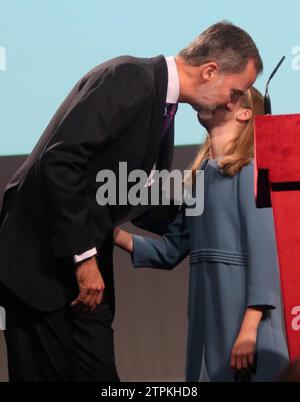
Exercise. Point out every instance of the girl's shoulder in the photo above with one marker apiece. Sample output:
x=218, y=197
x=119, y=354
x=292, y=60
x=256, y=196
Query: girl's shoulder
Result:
x=247, y=169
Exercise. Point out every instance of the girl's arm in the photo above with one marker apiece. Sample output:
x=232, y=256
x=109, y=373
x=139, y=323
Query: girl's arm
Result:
x=243, y=351
x=123, y=239
x=262, y=272
x=164, y=253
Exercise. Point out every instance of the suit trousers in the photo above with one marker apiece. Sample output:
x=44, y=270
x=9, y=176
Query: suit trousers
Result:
x=61, y=346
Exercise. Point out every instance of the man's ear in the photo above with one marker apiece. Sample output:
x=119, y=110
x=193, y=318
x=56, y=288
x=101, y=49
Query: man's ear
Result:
x=208, y=70
x=244, y=115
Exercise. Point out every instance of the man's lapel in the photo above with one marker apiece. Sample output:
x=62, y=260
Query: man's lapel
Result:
x=161, y=84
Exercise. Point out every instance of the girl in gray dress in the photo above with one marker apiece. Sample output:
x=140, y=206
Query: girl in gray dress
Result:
x=235, y=325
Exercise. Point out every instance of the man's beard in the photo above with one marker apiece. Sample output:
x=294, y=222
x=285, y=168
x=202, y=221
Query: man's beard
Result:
x=205, y=112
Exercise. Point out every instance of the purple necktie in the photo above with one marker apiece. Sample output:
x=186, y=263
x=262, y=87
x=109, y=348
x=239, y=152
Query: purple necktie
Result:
x=171, y=109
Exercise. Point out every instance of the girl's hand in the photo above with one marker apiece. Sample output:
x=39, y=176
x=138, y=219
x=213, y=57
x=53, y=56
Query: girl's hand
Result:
x=243, y=351
x=123, y=239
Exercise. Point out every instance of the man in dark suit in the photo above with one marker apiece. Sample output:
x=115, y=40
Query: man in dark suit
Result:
x=56, y=241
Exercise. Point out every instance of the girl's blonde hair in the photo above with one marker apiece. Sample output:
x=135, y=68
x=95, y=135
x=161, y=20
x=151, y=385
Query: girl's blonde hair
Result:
x=241, y=150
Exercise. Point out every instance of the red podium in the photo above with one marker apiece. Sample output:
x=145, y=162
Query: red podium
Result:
x=277, y=184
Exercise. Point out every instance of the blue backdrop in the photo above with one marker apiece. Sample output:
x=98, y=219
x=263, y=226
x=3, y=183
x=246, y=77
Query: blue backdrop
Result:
x=47, y=45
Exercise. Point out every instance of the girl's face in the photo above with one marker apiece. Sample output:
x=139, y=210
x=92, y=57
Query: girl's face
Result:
x=223, y=117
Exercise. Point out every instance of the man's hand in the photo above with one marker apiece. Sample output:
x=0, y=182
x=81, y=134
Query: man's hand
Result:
x=91, y=285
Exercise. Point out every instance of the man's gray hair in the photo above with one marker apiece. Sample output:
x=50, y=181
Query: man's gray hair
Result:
x=225, y=43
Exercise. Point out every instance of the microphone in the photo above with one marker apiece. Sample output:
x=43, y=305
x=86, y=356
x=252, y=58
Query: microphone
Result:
x=267, y=100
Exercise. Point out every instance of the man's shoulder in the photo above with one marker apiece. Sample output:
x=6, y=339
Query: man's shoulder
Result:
x=144, y=67
x=134, y=61
x=131, y=75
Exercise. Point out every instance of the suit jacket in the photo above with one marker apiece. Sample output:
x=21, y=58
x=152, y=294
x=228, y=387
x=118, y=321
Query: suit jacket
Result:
x=49, y=213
